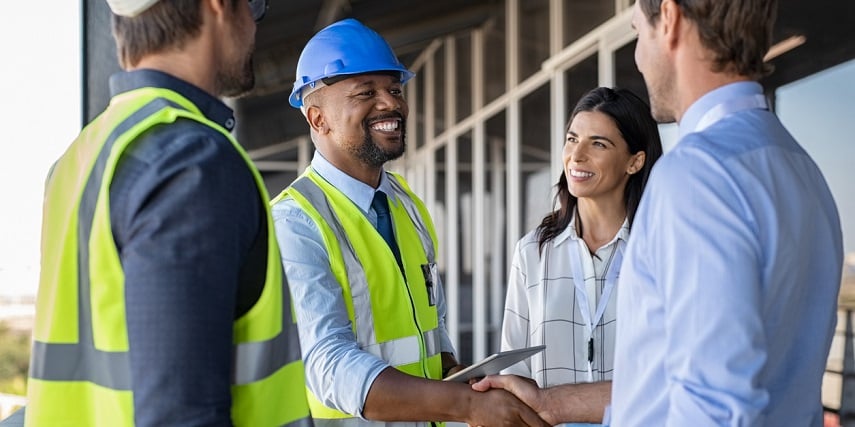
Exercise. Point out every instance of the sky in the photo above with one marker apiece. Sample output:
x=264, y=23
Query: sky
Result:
x=40, y=83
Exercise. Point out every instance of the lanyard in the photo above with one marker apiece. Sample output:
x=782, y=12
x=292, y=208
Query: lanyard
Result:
x=744, y=102
x=582, y=295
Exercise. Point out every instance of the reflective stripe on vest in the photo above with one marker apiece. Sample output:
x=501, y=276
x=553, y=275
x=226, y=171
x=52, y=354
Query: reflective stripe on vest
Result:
x=404, y=352
x=364, y=323
x=259, y=360
x=358, y=422
x=266, y=350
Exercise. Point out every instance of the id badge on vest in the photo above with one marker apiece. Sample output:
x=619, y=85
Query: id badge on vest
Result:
x=431, y=274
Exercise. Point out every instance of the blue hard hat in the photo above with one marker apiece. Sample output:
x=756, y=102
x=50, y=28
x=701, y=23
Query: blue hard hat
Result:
x=343, y=48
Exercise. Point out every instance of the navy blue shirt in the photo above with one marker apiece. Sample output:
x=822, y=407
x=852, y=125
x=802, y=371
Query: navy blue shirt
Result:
x=187, y=219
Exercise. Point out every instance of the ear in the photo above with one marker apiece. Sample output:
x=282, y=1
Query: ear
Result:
x=636, y=163
x=217, y=8
x=316, y=119
x=670, y=21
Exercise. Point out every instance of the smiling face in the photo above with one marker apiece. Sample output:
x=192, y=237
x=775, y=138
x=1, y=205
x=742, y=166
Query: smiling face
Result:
x=597, y=161
x=365, y=116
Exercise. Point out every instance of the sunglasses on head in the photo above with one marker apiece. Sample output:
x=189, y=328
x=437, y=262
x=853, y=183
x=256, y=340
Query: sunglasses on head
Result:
x=257, y=8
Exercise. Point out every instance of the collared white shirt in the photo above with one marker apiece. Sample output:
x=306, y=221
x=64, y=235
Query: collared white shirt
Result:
x=542, y=307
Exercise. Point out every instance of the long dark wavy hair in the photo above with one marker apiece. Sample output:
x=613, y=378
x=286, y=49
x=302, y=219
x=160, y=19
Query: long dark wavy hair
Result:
x=636, y=125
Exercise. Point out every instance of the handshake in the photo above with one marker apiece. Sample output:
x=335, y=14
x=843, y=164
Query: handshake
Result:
x=583, y=402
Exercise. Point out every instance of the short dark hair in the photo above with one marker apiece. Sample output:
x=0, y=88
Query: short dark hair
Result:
x=738, y=32
x=632, y=117
x=168, y=24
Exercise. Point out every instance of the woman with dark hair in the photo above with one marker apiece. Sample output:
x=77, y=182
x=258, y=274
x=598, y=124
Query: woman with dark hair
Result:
x=563, y=278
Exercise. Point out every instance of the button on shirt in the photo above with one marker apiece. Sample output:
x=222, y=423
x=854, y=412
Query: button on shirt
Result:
x=729, y=285
x=337, y=370
x=542, y=307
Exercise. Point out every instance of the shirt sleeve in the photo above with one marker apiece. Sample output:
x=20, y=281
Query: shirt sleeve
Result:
x=515, y=325
x=185, y=212
x=707, y=262
x=338, y=372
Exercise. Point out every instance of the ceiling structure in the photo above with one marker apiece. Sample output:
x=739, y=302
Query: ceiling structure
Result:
x=408, y=26
x=266, y=118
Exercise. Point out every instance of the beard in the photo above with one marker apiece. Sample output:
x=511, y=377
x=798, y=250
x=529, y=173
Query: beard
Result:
x=372, y=154
x=658, y=109
x=237, y=78
x=662, y=97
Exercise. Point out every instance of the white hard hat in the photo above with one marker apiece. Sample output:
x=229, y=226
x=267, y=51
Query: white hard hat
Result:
x=130, y=8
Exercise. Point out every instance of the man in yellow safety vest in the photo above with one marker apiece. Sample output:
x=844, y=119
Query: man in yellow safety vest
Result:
x=162, y=300
x=361, y=251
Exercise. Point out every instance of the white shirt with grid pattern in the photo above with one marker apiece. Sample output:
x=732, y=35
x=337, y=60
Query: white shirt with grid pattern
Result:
x=542, y=308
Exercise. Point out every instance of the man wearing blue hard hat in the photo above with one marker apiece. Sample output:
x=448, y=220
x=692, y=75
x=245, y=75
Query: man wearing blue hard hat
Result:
x=359, y=249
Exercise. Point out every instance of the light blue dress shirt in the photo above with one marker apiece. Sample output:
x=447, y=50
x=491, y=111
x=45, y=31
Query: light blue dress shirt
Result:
x=338, y=372
x=729, y=285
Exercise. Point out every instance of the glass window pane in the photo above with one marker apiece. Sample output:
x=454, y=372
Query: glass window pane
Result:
x=580, y=17
x=494, y=57
x=463, y=55
x=534, y=36
x=495, y=244
x=579, y=79
x=626, y=73
x=438, y=213
x=420, y=136
x=536, y=135
x=464, y=221
x=439, y=90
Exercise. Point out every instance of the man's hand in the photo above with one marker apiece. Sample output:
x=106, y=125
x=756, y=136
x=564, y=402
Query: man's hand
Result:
x=500, y=408
x=396, y=396
x=525, y=389
x=566, y=403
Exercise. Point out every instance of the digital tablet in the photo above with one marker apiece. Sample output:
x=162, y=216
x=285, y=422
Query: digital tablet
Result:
x=494, y=363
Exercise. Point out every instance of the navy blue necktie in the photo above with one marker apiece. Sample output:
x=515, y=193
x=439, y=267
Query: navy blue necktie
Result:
x=384, y=223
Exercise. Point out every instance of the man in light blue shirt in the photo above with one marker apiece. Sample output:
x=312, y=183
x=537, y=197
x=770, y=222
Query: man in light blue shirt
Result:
x=729, y=287
x=728, y=290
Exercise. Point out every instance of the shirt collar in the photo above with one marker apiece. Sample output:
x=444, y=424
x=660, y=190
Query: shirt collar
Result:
x=708, y=101
x=213, y=108
x=360, y=193
x=570, y=233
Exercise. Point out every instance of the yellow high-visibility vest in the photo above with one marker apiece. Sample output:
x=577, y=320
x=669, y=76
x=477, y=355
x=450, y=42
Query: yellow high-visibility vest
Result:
x=395, y=316
x=80, y=370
